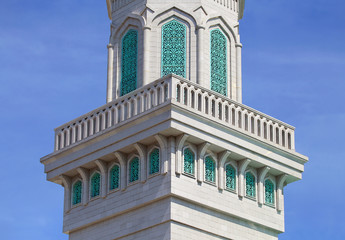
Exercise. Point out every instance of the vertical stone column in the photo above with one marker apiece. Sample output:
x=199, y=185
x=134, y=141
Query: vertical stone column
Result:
x=200, y=62
x=239, y=72
x=146, y=53
x=110, y=72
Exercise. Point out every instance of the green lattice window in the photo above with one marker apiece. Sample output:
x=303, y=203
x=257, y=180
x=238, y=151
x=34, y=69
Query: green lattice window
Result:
x=77, y=189
x=269, y=192
x=210, y=169
x=114, y=177
x=134, y=170
x=95, y=185
x=129, y=62
x=230, y=176
x=218, y=62
x=174, y=48
x=250, y=185
x=188, y=161
x=154, y=161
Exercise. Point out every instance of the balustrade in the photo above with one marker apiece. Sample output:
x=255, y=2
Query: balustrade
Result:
x=186, y=94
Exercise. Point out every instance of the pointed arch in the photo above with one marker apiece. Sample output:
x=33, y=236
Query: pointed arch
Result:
x=250, y=184
x=210, y=169
x=114, y=177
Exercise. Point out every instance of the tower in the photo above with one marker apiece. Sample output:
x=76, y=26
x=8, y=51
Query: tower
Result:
x=174, y=154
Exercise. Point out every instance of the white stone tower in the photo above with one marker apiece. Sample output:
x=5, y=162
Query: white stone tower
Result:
x=174, y=154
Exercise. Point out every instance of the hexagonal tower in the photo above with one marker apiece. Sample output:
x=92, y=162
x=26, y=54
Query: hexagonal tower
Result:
x=174, y=154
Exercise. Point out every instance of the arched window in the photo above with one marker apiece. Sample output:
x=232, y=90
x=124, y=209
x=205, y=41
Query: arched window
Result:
x=230, y=175
x=188, y=161
x=174, y=48
x=210, y=169
x=114, y=177
x=250, y=185
x=77, y=189
x=129, y=62
x=95, y=184
x=218, y=62
x=269, y=192
x=154, y=161
x=134, y=170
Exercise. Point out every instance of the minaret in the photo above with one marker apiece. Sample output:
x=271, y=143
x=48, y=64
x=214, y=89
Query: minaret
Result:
x=174, y=154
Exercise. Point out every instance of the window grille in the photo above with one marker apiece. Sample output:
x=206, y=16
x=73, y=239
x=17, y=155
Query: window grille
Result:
x=95, y=184
x=269, y=192
x=174, y=48
x=250, y=185
x=210, y=169
x=188, y=165
x=230, y=177
x=218, y=62
x=154, y=161
x=129, y=62
x=77, y=189
x=114, y=177
x=134, y=170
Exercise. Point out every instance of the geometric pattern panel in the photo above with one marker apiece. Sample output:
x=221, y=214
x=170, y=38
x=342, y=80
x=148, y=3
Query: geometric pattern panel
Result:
x=95, y=185
x=114, y=178
x=129, y=62
x=210, y=169
x=250, y=185
x=188, y=161
x=134, y=170
x=77, y=189
x=218, y=62
x=230, y=177
x=154, y=161
x=174, y=48
x=269, y=192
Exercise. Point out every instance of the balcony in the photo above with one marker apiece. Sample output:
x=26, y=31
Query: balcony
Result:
x=174, y=90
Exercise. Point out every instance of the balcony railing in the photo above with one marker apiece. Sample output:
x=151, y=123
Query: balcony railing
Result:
x=185, y=94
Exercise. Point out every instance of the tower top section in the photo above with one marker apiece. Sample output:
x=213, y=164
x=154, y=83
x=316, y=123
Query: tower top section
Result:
x=235, y=7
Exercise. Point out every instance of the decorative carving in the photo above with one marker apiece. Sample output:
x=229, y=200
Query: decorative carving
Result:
x=218, y=62
x=129, y=62
x=174, y=48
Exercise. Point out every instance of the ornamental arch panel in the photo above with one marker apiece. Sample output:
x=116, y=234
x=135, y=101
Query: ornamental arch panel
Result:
x=133, y=169
x=189, y=160
x=210, y=170
x=95, y=184
x=174, y=48
x=154, y=160
x=250, y=184
x=114, y=177
x=269, y=191
x=77, y=191
x=129, y=62
x=230, y=176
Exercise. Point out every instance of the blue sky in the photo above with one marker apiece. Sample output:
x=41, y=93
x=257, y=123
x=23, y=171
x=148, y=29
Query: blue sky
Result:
x=53, y=68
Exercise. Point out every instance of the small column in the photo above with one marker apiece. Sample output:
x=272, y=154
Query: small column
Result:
x=200, y=39
x=110, y=72
x=146, y=53
x=239, y=72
